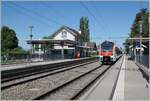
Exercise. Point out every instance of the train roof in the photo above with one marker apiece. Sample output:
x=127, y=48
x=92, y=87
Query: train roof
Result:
x=108, y=42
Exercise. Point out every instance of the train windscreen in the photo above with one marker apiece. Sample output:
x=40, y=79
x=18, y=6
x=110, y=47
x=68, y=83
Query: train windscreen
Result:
x=107, y=47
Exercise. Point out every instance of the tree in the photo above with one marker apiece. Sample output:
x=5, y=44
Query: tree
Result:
x=143, y=16
x=9, y=39
x=19, y=50
x=84, y=28
x=9, y=45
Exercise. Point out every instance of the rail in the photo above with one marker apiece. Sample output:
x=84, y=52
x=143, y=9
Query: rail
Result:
x=103, y=68
x=15, y=82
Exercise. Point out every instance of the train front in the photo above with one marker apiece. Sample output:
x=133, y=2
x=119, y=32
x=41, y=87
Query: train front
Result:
x=107, y=52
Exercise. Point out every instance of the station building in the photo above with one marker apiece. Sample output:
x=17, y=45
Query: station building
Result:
x=64, y=43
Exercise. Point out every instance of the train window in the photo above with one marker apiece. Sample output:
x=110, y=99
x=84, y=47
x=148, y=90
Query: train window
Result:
x=106, y=48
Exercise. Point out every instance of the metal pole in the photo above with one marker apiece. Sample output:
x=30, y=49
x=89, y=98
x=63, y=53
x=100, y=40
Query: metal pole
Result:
x=140, y=39
x=62, y=50
x=39, y=51
x=134, y=49
x=75, y=51
x=30, y=28
x=99, y=53
x=100, y=48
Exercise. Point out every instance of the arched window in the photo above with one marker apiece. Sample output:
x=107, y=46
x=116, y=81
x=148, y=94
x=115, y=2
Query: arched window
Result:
x=64, y=34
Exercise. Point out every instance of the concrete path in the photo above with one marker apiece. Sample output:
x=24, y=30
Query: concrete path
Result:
x=136, y=86
x=119, y=89
x=15, y=66
x=103, y=87
x=131, y=84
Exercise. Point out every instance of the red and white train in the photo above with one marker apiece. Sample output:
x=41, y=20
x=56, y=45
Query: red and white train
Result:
x=108, y=52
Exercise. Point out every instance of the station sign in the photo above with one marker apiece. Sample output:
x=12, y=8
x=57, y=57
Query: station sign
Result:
x=137, y=44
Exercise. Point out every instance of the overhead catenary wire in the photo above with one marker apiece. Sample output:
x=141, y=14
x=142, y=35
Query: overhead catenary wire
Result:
x=24, y=12
x=56, y=12
x=103, y=27
x=101, y=17
x=36, y=13
x=48, y=19
x=97, y=21
x=121, y=37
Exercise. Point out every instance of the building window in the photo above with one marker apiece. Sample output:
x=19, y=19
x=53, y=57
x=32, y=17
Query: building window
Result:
x=64, y=34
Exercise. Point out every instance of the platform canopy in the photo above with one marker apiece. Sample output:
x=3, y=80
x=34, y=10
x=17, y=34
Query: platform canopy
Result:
x=52, y=41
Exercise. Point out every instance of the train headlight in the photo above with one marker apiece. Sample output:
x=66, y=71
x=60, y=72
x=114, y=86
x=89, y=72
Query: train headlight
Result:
x=101, y=58
x=111, y=58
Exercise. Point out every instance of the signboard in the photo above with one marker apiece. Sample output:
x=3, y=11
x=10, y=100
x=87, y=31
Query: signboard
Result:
x=137, y=44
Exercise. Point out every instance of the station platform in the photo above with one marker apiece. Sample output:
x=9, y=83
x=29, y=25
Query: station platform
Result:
x=15, y=66
x=130, y=83
x=136, y=85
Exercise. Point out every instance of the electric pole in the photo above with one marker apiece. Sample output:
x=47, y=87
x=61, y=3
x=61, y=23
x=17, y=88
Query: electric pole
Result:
x=31, y=35
x=30, y=28
x=140, y=22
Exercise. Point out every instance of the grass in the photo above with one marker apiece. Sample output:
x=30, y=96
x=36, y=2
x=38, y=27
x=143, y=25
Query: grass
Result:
x=11, y=62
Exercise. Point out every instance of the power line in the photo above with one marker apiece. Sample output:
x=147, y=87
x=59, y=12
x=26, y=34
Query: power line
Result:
x=106, y=25
x=121, y=37
x=35, y=13
x=28, y=14
x=91, y=14
x=56, y=12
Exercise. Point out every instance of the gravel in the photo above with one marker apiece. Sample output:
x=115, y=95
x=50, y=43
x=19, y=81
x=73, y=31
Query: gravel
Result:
x=34, y=88
x=35, y=76
x=73, y=88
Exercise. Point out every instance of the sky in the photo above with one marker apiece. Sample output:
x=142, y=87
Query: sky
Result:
x=108, y=20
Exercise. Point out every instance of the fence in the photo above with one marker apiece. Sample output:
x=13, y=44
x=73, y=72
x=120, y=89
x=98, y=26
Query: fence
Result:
x=34, y=57
x=25, y=58
x=144, y=60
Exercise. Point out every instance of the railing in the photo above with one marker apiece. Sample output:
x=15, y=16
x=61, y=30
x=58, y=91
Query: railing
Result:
x=25, y=58
x=143, y=60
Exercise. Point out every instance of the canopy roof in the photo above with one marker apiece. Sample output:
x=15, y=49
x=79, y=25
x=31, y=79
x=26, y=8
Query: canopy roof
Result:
x=51, y=41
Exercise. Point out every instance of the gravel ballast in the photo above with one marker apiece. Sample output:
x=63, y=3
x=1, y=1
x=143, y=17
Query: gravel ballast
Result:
x=34, y=88
x=67, y=92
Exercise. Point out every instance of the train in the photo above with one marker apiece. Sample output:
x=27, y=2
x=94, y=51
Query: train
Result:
x=108, y=52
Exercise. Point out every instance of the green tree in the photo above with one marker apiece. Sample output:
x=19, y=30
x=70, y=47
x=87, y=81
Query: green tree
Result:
x=9, y=45
x=9, y=40
x=143, y=16
x=19, y=50
x=84, y=28
x=126, y=45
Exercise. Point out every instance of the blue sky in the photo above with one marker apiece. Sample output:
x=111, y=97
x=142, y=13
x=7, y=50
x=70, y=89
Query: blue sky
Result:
x=108, y=20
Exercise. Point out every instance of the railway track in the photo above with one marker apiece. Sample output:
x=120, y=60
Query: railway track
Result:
x=14, y=74
x=27, y=90
x=13, y=81
x=56, y=92
x=78, y=79
x=71, y=88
